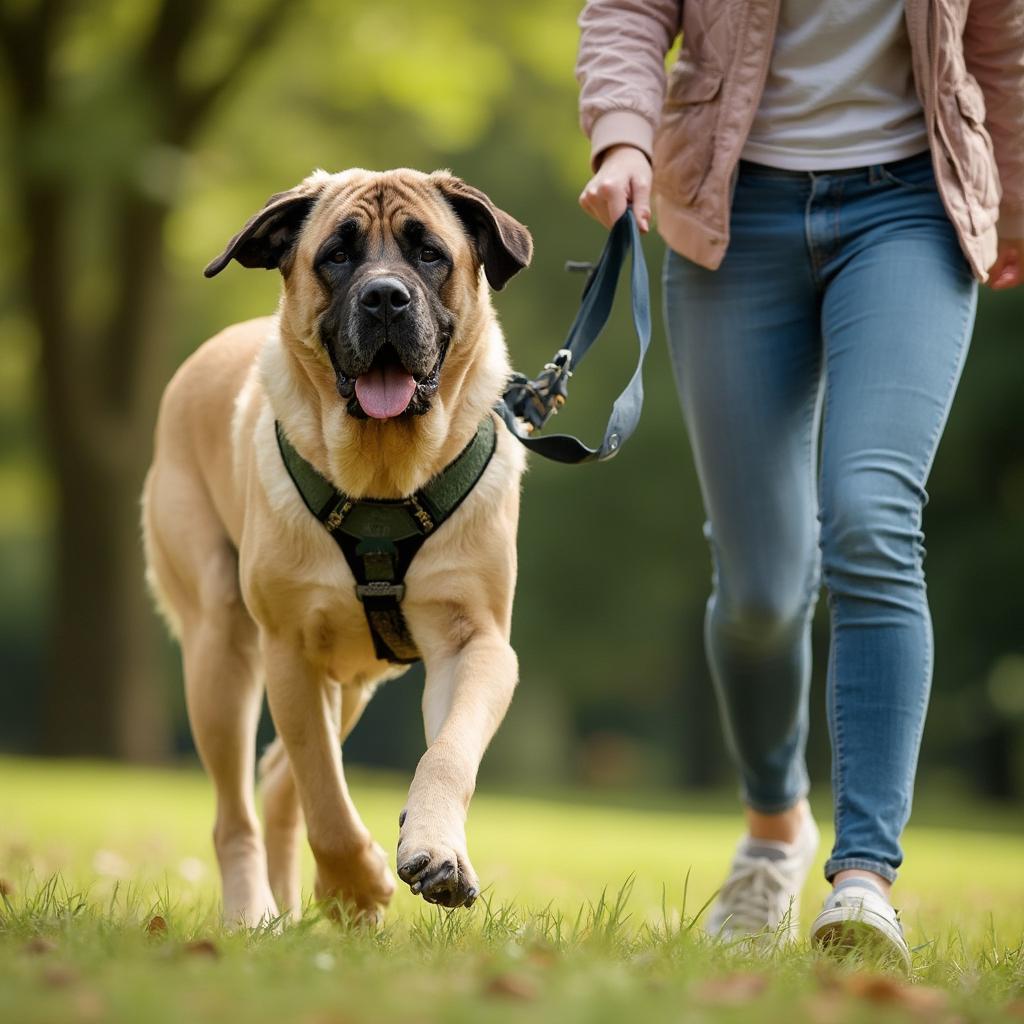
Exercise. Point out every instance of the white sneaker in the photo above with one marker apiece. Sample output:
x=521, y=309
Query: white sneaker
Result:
x=762, y=892
x=857, y=915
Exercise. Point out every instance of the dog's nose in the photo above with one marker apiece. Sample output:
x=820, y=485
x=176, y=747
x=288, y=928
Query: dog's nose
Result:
x=384, y=298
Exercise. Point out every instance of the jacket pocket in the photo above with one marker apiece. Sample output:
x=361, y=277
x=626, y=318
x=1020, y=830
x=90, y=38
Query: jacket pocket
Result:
x=685, y=141
x=972, y=154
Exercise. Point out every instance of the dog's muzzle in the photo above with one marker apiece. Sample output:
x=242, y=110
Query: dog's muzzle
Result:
x=387, y=390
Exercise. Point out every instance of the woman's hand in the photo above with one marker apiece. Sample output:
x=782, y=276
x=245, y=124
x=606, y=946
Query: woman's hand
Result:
x=1008, y=269
x=623, y=178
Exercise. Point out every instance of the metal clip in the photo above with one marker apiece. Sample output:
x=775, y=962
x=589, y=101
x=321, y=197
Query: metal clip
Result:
x=535, y=401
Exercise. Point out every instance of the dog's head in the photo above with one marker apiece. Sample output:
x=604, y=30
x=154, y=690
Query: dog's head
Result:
x=382, y=277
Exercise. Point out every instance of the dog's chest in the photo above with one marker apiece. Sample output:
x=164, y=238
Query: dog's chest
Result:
x=334, y=633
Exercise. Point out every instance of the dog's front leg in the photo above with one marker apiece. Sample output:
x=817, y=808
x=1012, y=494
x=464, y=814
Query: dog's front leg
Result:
x=306, y=710
x=465, y=698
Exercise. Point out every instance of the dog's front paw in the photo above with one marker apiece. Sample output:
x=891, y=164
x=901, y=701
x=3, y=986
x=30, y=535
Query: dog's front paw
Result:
x=437, y=870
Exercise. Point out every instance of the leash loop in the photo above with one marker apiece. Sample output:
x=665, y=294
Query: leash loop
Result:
x=529, y=403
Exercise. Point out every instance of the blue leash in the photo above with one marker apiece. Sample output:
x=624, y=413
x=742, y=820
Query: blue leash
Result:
x=531, y=402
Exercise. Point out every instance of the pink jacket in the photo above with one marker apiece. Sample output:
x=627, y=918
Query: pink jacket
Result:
x=968, y=58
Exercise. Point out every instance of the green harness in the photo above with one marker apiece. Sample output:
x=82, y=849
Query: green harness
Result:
x=380, y=538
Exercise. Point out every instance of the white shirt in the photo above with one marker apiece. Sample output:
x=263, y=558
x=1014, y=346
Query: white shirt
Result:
x=840, y=89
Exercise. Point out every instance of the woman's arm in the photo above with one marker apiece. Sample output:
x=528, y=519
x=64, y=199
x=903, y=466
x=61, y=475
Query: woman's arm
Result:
x=994, y=50
x=621, y=71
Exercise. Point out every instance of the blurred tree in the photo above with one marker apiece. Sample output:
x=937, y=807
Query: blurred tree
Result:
x=614, y=571
x=99, y=369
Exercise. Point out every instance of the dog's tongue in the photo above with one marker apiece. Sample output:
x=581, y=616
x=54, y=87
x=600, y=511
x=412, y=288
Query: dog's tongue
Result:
x=385, y=391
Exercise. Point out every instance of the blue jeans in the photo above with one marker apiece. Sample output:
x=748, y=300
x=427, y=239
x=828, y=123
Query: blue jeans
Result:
x=841, y=313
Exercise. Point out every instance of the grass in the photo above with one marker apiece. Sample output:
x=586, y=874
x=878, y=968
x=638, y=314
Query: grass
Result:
x=591, y=914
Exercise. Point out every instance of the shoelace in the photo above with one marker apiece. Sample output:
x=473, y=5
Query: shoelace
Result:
x=756, y=893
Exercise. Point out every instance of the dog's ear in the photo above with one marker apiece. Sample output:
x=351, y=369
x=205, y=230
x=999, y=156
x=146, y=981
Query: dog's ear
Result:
x=503, y=245
x=269, y=234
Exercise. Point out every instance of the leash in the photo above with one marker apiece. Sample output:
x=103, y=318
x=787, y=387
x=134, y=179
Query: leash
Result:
x=528, y=403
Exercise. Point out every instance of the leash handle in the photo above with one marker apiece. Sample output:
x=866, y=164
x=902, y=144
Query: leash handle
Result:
x=534, y=400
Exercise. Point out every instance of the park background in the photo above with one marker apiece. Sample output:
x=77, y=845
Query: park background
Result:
x=138, y=136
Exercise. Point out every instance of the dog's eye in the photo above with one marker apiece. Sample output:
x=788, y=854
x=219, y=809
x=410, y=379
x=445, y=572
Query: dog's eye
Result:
x=428, y=255
x=338, y=256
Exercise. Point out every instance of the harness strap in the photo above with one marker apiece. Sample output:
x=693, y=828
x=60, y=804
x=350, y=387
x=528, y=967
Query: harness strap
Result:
x=534, y=401
x=379, y=538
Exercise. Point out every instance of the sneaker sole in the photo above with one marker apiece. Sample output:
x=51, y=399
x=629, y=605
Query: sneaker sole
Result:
x=837, y=929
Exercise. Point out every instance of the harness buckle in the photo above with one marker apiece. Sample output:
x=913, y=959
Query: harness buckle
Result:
x=380, y=588
x=420, y=514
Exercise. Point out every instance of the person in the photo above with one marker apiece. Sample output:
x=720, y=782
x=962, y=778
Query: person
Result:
x=827, y=176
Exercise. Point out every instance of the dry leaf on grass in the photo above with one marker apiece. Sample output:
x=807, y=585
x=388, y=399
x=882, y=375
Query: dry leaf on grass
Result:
x=157, y=926
x=512, y=986
x=38, y=945
x=201, y=947
x=59, y=976
x=883, y=989
x=732, y=990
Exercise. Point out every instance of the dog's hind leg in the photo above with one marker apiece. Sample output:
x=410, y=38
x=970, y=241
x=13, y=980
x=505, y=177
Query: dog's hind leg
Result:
x=282, y=822
x=223, y=693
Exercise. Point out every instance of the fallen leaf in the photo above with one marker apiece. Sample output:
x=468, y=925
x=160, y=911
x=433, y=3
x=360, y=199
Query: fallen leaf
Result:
x=883, y=989
x=512, y=986
x=157, y=926
x=732, y=990
x=6, y=889
x=38, y=945
x=201, y=947
x=59, y=976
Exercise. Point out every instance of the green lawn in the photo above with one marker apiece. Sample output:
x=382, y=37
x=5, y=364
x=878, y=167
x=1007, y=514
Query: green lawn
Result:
x=128, y=844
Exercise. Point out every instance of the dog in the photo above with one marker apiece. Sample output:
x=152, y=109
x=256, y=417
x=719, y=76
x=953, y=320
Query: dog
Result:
x=383, y=362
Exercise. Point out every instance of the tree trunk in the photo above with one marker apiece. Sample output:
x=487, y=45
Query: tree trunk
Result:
x=103, y=695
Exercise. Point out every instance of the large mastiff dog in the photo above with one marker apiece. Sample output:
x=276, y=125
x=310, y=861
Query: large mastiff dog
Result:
x=384, y=359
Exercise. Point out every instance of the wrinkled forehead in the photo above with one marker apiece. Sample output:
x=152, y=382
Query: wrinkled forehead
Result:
x=382, y=207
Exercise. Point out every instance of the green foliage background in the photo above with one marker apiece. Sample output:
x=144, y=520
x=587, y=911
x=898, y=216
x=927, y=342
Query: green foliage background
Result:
x=613, y=567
